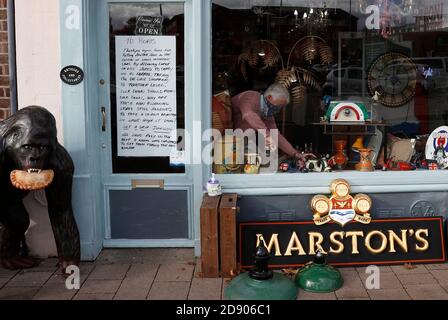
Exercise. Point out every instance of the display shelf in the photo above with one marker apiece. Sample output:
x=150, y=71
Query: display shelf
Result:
x=366, y=126
x=329, y=130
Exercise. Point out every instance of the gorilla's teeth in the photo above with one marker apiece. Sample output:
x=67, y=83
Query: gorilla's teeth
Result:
x=34, y=171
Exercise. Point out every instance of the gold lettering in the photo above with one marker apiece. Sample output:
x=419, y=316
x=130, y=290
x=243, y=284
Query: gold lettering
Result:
x=354, y=235
x=383, y=242
x=425, y=243
x=273, y=242
x=315, y=244
x=402, y=242
x=294, y=245
x=333, y=240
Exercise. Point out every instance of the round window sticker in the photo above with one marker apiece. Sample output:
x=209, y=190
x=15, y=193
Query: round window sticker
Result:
x=72, y=75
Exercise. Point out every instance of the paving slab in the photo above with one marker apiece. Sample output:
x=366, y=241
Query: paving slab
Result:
x=109, y=272
x=119, y=256
x=177, y=290
x=18, y=293
x=427, y=292
x=401, y=269
x=304, y=295
x=387, y=280
x=417, y=279
x=350, y=293
x=29, y=279
x=383, y=269
x=134, y=288
x=205, y=289
x=45, y=265
x=84, y=270
x=445, y=286
x=437, y=266
x=54, y=292
x=441, y=276
x=143, y=270
x=3, y=281
x=175, y=272
x=353, y=286
x=100, y=286
x=160, y=255
x=388, y=294
x=155, y=255
x=94, y=296
x=4, y=273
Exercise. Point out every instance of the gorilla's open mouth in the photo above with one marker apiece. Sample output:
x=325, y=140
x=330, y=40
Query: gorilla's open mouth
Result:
x=31, y=179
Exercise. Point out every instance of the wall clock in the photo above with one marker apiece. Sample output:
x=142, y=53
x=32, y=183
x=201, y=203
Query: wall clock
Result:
x=394, y=76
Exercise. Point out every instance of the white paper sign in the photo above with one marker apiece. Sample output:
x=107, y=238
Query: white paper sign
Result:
x=146, y=95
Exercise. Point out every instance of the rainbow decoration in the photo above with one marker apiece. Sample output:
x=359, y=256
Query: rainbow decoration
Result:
x=347, y=111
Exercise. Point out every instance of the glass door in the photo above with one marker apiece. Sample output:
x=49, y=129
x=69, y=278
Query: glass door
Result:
x=147, y=182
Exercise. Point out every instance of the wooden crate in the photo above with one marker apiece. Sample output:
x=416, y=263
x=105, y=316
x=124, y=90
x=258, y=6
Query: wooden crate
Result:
x=228, y=237
x=210, y=237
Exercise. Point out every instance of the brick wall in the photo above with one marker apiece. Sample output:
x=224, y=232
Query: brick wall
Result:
x=5, y=106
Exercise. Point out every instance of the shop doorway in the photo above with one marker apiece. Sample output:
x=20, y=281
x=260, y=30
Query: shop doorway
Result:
x=146, y=182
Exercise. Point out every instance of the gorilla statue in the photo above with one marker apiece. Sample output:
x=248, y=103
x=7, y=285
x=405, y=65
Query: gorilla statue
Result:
x=30, y=159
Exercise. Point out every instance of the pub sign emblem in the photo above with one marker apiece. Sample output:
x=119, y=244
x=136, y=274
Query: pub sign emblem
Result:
x=341, y=207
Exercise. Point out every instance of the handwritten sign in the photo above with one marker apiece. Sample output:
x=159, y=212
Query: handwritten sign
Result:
x=146, y=95
x=148, y=25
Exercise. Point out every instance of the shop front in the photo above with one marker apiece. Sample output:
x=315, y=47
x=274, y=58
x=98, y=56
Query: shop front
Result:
x=177, y=90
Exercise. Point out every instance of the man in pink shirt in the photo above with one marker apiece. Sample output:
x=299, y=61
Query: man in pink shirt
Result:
x=252, y=110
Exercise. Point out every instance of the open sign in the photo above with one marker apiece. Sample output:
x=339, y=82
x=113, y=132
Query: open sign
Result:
x=149, y=25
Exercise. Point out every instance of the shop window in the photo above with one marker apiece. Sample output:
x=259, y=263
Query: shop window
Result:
x=147, y=86
x=367, y=85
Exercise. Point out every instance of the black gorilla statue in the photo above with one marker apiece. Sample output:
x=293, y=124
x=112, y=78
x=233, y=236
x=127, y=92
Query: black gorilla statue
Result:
x=31, y=158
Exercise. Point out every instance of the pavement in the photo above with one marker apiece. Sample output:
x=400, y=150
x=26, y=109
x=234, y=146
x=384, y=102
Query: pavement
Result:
x=174, y=274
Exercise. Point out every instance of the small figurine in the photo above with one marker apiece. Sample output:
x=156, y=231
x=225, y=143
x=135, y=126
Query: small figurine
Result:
x=301, y=162
x=284, y=167
x=376, y=96
x=318, y=165
x=440, y=155
x=213, y=187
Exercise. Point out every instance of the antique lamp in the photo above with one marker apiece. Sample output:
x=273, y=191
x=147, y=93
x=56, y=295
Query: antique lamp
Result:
x=318, y=276
x=261, y=283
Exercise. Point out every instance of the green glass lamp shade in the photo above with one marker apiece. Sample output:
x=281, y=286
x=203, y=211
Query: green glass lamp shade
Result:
x=319, y=276
x=261, y=283
x=244, y=287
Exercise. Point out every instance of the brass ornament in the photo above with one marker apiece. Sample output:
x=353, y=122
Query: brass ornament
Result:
x=297, y=80
x=259, y=55
x=341, y=207
x=311, y=50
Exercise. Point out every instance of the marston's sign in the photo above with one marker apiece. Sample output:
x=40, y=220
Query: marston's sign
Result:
x=383, y=241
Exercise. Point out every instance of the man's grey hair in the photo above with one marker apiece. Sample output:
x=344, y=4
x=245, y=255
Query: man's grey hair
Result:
x=276, y=90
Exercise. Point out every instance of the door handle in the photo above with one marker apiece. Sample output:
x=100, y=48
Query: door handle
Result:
x=103, y=115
